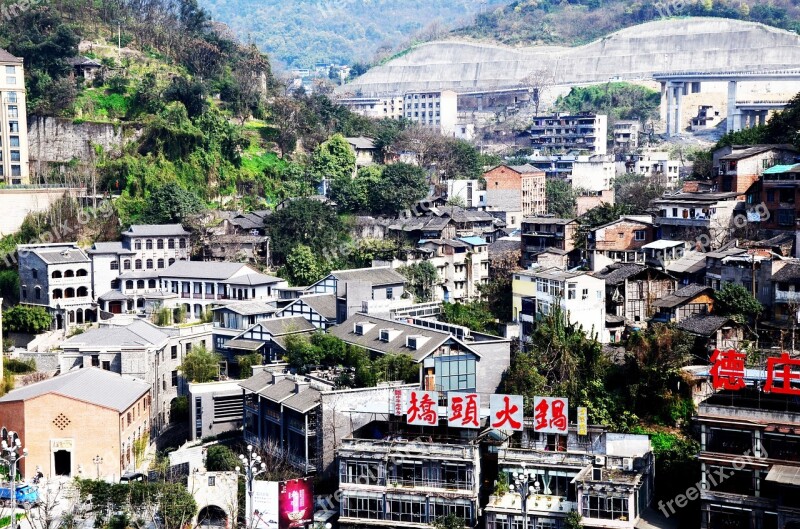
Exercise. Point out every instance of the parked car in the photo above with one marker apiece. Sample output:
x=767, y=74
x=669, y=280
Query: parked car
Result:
x=130, y=477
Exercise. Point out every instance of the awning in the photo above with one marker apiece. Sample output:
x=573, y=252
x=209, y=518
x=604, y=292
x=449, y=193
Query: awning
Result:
x=777, y=169
x=244, y=345
x=785, y=475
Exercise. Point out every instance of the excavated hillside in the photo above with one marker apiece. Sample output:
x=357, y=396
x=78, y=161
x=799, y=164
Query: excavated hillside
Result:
x=699, y=44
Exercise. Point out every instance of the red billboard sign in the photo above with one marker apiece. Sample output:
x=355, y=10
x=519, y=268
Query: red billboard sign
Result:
x=296, y=503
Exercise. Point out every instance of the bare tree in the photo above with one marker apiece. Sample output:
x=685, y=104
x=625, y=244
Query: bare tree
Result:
x=538, y=82
x=56, y=506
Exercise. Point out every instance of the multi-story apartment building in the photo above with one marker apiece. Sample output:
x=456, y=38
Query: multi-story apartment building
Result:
x=785, y=290
x=390, y=107
x=739, y=167
x=517, y=188
x=633, y=289
x=606, y=477
x=352, y=288
x=564, y=132
x=579, y=295
x=541, y=233
x=707, y=117
x=14, y=167
x=408, y=478
x=689, y=216
x=626, y=135
x=749, y=435
x=778, y=191
x=655, y=164
x=620, y=241
x=438, y=110
x=468, y=192
x=140, y=350
x=58, y=278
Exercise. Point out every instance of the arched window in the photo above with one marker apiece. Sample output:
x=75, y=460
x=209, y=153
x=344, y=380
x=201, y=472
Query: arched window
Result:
x=151, y=283
x=182, y=243
x=149, y=264
x=115, y=265
x=37, y=293
x=114, y=284
x=137, y=244
x=83, y=292
x=126, y=264
x=160, y=244
x=160, y=263
x=69, y=273
x=138, y=264
x=171, y=244
x=171, y=262
x=140, y=283
x=129, y=284
x=81, y=273
x=57, y=274
x=58, y=293
x=148, y=245
x=69, y=293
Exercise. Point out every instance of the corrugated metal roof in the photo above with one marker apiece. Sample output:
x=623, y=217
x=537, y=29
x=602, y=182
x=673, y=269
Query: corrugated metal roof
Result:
x=93, y=385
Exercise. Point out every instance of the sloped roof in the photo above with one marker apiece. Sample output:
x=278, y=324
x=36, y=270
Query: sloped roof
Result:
x=474, y=241
x=248, y=308
x=254, y=279
x=241, y=344
x=524, y=169
x=83, y=61
x=7, y=57
x=682, y=295
x=114, y=295
x=204, y=269
x=90, y=384
x=109, y=247
x=322, y=304
x=287, y=325
x=754, y=150
x=278, y=392
x=57, y=254
x=377, y=276
x=304, y=401
x=258, y=381
x=155, y=230
x=703, y=324
x=136, y=334
x=360, y=142
x=617, y=273
x=789, y=272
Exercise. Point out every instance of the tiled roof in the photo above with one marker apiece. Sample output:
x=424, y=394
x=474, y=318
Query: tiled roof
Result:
x=59, y=254
x=96, y=386
x=136, y=334
x=304, y=401
x=377, y=276
x=279, y=392
x=703, y=324
x=361, y=142
x=109, y=247
x=754, y=150
x=323, y=304
x=204, y=269
x=680, y=296
x=248, y=308
x=254, y=279
x=258, y=381
x=287, y=325
x=155, y=230
x=617, y=273
x=7, y=57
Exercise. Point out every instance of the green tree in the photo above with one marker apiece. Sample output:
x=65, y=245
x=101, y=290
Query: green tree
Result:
x=302, y=266
x=737, y=302
x=220, y=458
x=333, y=159
x=392, y=367
x=9, y=285
x=26, y=318
x=246, y=363
x=573, y=520
x=200, y=365
x=422, y=278
x=400, y=187
x=451, y=521
x=179, y=410
x=170, y=203
x=352, y=194
x=784, y=126
x=178, y=506
x=561, y=198
x=475, y=315
x=308, y=222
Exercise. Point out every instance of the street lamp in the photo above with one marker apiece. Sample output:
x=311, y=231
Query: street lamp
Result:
x=522, y=484
x=12, y=453
x=253, y=466
x=97, y=462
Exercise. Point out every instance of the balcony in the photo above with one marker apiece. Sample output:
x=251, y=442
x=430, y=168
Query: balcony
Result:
x=787, y=296
x=688, y=223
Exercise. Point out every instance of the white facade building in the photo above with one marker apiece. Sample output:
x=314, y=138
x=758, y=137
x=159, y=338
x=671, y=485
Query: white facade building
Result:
x=438, y=110
x=14, y=167
x=468, y=191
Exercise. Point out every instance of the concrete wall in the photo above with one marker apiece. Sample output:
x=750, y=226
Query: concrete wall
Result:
x=632, y=53
x=17, y=203
x=56, y=141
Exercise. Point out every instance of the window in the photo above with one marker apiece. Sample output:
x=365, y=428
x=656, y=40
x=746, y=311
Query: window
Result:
x=115, y=265
x=160, y=244
x=173, y=352
x=140, y=283
x=95, y=360
x=212, y=481
x=12, y=97
x=585, y=294
x=605, y=508
x=13, y=127
x=126, y=264
x=175, y=379
x=198, y=423
x=182, y=243
x=363, y=473
x=151, y=283
x=13, y=111
x=137, y=244
x=171, y=262
x=129, y=284
x=106, y=365
x=138, y=264
x=365, y=505
x=37, y=293
x=149, y=264
x=25, y=294
x=35, y=273
x=571, y=294
x=455, y=372
x=171, y=244
x=639, y=235
x=148, y=244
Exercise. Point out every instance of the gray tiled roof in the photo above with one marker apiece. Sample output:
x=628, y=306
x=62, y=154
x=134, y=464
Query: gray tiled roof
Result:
x=682, y=295
x=109, y=247
x=617, y=273
x=257, y=382
x=288, y=325
x=136, y=334
x=323, y=304
x=57, y=254
x=278, y=392
x=546, y=220
x=114, y=295
x=754, y=150
x=377, y=276
x=155, y=230
x=703, y=324
x=96, y=386
x=241, y=344
x=527, y=168
x=789, y=272
x=248, y=308
x=204, y=269
x=7, y=57
x=254, y=279
x=361, y=142
x=304, y=401
x=370, y=340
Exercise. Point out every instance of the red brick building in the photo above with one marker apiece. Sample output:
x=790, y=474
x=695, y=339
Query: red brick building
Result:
x=516, y=188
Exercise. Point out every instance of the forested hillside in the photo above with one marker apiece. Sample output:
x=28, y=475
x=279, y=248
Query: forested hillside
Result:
x=301, y=33
x=574, y=22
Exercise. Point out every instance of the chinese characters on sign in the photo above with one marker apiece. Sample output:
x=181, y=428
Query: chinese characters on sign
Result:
x=422, y=408
x=550, y=415
x=397, y=402
x=583, y=420
x=783, y=371
x=463, y=410
x=296, y=499
x=506, y=412
x=727, y=371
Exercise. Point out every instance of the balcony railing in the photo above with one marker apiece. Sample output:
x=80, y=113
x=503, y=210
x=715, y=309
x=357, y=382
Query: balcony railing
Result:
x=787, y=296
x=692, y=223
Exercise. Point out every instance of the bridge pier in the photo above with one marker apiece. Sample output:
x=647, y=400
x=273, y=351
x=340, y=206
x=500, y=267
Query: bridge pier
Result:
x=734, y=122
x=674, y=106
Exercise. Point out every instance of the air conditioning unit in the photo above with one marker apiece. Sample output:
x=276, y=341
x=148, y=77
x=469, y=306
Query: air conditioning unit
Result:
x=627, y=464
x=600, y=461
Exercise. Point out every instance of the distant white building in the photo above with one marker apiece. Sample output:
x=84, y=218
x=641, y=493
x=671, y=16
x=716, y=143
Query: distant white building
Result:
x=566, y=132
x=390, y=107
x=626, y=135
x=438, y=110
x=468, y=191
x=13, y=116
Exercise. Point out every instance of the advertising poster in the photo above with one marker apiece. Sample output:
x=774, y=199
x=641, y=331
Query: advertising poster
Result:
x=265, y=504
x=296, y=503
